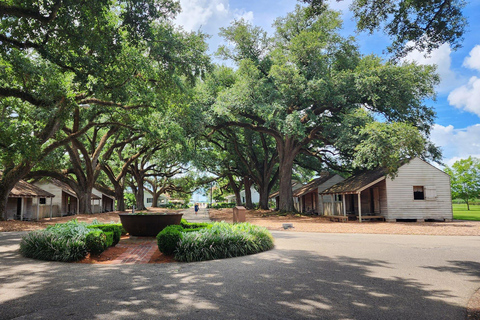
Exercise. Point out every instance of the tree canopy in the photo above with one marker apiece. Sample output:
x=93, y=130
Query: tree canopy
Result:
x=465, y=179
x=311, y=90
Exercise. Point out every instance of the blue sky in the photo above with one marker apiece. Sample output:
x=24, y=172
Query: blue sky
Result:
x=457, y=127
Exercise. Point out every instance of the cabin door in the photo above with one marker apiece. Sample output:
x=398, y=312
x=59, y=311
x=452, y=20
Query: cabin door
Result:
x=19, y=208
x=376, y=200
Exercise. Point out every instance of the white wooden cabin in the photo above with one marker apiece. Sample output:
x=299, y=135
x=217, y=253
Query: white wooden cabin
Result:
x=102, y=202
x=306, y=199
x=254, y=193
x=148, y=199
x=28, y=202
x=419, y=192
x=65, y=201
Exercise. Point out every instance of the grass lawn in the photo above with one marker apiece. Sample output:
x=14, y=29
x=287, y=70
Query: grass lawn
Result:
x=460, y=212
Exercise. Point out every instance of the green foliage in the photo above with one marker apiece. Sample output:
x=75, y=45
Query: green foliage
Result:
x=96, y=241
x=194, y=225
x=174, y=205
x=129, y=200
x=384, y=144
x=115, y=228
x=316, y=81
x=62, y=242
x=420, y=24
x=465, y=179
x=168, y=238
x=110, y=238
x=223, y=240
x=221, y=205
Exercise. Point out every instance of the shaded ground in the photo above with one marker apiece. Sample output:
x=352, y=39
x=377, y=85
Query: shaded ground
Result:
x=306, y=276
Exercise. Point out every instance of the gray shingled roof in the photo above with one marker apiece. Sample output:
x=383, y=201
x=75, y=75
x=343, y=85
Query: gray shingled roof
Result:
x=357, y=182
x=312, y=185
x=24, y=189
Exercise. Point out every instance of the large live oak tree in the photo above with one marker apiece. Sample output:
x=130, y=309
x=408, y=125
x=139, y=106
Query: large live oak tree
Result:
x=306, y=84
x=96, y=59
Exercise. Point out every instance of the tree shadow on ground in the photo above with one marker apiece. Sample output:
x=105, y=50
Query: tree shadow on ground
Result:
x=278, y=284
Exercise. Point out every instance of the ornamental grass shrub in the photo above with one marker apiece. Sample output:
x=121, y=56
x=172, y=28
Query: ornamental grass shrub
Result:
x=69, y=241
x=223, y=240
x=61, y=242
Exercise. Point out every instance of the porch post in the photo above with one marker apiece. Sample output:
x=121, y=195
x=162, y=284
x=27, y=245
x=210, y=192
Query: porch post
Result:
x=38, y=207
x=323, y=205
x=344, y=207
x=359, y=207
x=78, y=206
x=333, y=204
x=22, y=208
x=51, y=200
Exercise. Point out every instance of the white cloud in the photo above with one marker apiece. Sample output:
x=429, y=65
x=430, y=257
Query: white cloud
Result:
x=457, y=143
x=441, y=58
x=473, y=61
x=208, y=15
x=467, y=97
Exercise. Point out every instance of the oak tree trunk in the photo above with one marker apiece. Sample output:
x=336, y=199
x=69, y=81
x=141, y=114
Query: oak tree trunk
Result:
x=247, y=184
x=120, y=197
x=156, y=195
x=287, y=153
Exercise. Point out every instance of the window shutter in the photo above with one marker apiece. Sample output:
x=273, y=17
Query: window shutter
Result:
x=430, y=193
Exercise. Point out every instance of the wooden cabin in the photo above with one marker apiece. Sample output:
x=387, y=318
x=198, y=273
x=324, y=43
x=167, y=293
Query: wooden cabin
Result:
x=419, y=192
x=102, y=202
x=307, y=197
x=28, y=202
x=65, y=201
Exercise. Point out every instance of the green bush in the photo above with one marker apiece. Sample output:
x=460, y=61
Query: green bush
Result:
x=61, y=242
x=194, y=225
x=96, y=241
x=223, y=240
x=115, y=228
x=168, y=238
x=222, y=205
x=109, y=239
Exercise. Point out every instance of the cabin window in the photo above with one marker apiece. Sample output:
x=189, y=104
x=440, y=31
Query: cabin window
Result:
x=338, y=198
x=43, y=201
x=149, y=200
x=418, y=193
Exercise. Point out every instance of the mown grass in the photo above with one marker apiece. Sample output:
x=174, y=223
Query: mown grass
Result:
x=460, y=212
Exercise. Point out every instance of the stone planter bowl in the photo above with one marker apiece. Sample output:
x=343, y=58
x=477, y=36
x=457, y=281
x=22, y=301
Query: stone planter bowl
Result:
x=148, y=225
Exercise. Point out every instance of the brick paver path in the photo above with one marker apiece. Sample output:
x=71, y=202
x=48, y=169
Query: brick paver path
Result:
x=139, y=250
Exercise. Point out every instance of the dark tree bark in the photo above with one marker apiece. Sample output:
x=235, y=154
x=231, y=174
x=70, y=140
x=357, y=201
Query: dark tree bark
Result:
x=247, y=184
x=236, y=189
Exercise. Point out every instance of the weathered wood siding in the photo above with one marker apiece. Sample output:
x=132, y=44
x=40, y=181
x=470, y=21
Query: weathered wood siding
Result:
x=324, y=186
x=58, y=207
x=400, y=202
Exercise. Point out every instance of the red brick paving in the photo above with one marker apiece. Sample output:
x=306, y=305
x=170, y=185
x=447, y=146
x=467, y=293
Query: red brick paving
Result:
x=139, y=250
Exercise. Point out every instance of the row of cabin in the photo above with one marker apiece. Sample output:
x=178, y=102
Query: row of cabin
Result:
x=419, y=192
x=50, y=198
